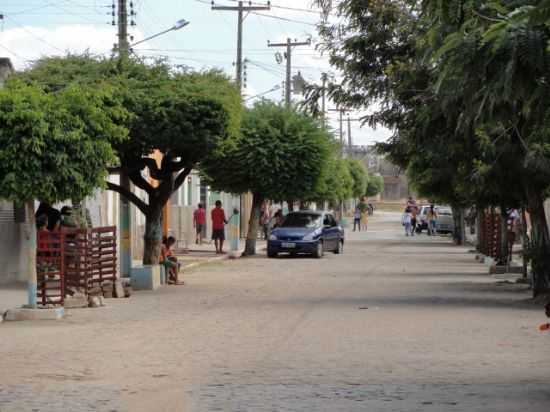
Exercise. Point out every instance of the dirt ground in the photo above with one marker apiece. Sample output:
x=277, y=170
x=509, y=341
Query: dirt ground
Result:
x=393, y=324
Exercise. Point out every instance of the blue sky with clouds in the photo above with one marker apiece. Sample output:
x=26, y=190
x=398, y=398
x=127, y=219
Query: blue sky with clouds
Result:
x=32, y=28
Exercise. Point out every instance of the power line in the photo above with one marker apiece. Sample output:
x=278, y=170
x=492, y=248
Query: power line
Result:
x=41, y=39
x=285, y=19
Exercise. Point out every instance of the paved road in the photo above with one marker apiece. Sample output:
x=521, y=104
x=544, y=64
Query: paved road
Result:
x=394, y=324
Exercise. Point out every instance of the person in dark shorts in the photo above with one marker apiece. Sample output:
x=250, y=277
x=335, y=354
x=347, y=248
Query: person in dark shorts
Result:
x=199, y=220
x=218, y=226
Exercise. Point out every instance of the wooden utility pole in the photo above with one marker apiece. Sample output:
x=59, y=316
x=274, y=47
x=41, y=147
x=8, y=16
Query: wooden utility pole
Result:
x=289, y=44
x=240, y=9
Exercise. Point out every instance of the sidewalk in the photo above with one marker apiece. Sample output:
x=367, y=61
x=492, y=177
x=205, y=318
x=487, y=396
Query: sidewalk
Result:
x=198, y=255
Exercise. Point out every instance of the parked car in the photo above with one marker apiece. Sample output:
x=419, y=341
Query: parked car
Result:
x=444, y=222
x=306, y=232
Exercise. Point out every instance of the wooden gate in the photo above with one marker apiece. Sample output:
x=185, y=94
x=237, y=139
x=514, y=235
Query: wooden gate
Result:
x=50, y=287
x=90, y=258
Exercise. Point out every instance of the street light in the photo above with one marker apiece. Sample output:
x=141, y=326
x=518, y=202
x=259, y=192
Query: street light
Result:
x=180, y=24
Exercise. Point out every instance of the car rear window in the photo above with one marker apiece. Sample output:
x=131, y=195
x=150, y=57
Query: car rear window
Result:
x=302, y=220
x=445, y=212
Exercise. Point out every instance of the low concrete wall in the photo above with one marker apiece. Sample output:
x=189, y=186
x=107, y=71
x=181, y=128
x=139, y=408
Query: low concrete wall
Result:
x=11, y=253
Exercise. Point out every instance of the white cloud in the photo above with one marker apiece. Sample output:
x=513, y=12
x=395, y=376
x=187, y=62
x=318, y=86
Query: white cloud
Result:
x=27, y=43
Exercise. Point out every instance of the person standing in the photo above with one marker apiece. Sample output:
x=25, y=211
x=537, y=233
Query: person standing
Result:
x=414, y=214
x=199, y=220
x=357, y=219
x=264, y=220
x=218, y=226
x=432, y=220
x=406, y=220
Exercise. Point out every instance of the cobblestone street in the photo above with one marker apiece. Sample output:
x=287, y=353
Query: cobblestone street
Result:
x=393, y=324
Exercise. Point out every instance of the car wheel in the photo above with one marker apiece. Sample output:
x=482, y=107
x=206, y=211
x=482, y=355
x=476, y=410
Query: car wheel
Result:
x=340, y=248
x=271, y=254
x=319, y=251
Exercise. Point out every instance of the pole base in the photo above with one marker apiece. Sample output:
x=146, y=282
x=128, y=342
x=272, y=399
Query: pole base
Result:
x=19, y=314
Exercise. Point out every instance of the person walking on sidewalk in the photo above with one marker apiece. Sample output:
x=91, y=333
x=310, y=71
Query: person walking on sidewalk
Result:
x=218, y=226
x=199, y=220
x=414, y=214
x=432, y=219
x=357, y=219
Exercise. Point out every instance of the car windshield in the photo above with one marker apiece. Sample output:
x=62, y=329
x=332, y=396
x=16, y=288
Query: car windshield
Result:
x=302, y=220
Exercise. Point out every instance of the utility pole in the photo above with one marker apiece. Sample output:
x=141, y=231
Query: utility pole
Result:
x=323, y=98
x=350, y=142
x=341, y=121
x=123, y=45
x=289, y=44
x=124, y=205
x=240, y=9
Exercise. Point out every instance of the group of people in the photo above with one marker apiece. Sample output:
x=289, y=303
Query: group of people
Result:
x=361, y=215
x=51, y=220
x=219, y=221
x=410, y=218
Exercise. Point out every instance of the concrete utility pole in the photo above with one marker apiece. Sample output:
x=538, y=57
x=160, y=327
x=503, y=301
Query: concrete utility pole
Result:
x=324, y=78
x=289, y=44
x=350, y=142
x=341, y=121
x=123, y=45
x=240, y=9
x=124, y=205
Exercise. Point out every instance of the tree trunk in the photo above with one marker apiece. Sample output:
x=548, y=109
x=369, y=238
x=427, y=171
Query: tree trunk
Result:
x=524, y=242
x=28, y=232
x=540, y=244
x=479, y=228
x=290, y=204
x=152, y=239
x=458, y=218
x=503, y=247
x=253, y=225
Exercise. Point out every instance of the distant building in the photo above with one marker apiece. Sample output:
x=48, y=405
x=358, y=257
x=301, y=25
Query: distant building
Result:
x=396, y=185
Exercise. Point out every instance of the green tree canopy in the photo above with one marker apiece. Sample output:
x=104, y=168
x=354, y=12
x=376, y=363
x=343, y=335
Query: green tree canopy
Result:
x=360, y=177
x=280, y=154
x=56, y=147
x=182, y=116
x=375, y=185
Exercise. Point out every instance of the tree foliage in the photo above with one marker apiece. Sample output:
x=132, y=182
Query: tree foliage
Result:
x=56, y=147
x=360, y=177
x=375, y=185
x=463, y=84
x=182, y=116
x=280, y=154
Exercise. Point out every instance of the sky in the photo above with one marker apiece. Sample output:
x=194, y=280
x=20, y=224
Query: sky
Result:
x=34, y=28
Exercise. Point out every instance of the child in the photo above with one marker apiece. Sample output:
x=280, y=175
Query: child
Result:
x=406, y=220
x=199, y=220
x=169, y=261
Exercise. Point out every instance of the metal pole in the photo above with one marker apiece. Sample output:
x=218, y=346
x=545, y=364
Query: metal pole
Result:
x=323, y=100
x=350, y=142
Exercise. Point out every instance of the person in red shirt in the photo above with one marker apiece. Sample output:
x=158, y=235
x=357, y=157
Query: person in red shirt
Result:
x=218, y=226
x=199, y=220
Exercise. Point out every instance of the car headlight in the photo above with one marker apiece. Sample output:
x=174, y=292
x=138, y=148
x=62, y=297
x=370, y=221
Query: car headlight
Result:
x=272, y=237
x=314, y=234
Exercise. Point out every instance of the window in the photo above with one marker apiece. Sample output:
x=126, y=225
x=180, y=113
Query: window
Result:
x=7, y=212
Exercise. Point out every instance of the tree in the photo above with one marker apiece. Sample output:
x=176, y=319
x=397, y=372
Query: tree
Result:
x=360, y=177
x=181, y=116
x=375, y=185
x=279, y=154
x=54, y=148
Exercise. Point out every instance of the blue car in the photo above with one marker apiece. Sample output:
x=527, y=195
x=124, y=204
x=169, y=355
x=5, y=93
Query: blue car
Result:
x=307, y=232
